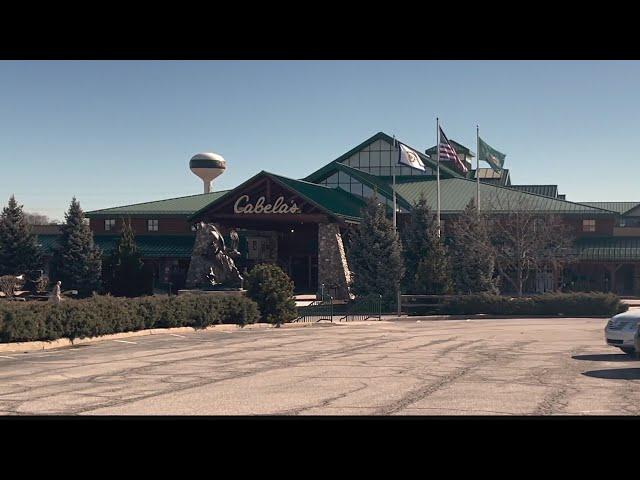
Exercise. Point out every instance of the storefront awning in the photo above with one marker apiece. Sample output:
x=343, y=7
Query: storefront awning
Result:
x=613, y=249
x=150, y=246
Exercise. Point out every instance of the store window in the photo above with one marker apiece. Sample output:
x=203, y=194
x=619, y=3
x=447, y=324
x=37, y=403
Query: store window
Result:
x=152, y=225
x=259, y=248
x=588, y=225
x=109, y=224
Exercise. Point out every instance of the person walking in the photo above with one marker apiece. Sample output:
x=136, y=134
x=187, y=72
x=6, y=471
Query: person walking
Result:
x=56, y=293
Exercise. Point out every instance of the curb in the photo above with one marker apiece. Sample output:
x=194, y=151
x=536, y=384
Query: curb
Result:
x=65, y=342
x=481, y=316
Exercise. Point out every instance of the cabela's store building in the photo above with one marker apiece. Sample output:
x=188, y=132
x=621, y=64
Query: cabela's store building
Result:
x=299, y=224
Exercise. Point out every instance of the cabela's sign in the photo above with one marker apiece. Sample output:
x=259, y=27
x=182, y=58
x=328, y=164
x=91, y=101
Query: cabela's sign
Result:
x=242, y=205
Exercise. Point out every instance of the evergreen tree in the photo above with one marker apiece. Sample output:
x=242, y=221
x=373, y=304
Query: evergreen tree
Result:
x=472, y=256
x=272, y=290
x=19, y=250
x=376, y=255
x=425, y=254
x=126, y=266
x=76, y=261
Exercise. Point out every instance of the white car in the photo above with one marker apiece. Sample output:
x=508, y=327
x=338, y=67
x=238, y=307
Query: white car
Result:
x=621, y=330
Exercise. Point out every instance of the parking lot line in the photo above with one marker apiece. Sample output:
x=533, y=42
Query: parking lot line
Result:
x=124, y=341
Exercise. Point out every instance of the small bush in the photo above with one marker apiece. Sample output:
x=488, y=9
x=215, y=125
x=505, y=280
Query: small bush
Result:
x=593, y=304
x=8, y=283
x=272, y=290
x=102, y=315
x=42, y=283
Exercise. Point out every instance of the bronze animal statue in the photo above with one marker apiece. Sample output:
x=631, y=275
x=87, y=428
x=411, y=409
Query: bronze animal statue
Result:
x=212, y=264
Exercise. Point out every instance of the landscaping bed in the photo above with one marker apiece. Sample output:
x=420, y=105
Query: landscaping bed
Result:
x=103, y=315
x=592, y=304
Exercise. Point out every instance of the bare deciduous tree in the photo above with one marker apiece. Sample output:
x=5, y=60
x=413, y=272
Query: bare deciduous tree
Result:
x=36, y=219
x=556, y=246
x=525, y=241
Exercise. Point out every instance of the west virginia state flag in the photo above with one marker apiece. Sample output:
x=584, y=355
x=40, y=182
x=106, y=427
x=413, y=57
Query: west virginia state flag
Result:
x=490, y=155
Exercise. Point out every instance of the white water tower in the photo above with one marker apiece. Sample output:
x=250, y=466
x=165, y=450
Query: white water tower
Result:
x=208, y=166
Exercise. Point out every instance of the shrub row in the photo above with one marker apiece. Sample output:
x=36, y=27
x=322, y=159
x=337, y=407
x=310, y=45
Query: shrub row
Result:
x=102, y=315
x=593, y=304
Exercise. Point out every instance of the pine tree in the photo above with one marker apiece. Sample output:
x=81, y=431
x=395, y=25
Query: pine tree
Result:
x=472, y=256
x=126, y=265
x=77, y=261
x=376, y=255
x=425, y=254
x=19, y=250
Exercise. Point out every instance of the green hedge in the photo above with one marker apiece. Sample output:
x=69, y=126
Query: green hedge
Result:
x=566, y=304
x=101, y=315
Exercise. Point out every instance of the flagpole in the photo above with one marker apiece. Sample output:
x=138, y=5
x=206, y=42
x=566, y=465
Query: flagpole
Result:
x=393, y=169
x=438, y=169
x=395, y=227
x=478, y=169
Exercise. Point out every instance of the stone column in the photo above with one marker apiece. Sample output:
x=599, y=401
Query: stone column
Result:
x=333, y=268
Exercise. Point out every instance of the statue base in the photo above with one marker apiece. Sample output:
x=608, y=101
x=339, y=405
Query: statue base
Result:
x=228, y=292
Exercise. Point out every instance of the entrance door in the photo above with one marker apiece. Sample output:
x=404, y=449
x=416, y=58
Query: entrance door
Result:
x=300, y=273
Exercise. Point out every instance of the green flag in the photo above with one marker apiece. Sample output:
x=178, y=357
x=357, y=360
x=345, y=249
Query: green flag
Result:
x=490, y=155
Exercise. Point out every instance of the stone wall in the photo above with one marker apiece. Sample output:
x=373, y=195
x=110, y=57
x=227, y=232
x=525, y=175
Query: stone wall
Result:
x=333, y=268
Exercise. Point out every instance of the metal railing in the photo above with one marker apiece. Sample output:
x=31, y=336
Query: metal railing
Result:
x=316, y=311
x=326, y=307
x=363, y=308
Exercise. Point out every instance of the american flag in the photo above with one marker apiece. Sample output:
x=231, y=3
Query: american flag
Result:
x=447, y=152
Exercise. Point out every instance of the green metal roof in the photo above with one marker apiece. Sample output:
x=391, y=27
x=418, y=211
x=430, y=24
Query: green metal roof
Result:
x=618, y=207
x=149, y=245
x=544, y=190
x=489, y=175
x=335, y=201
x=456, y=193
x=172, y=206
x=608, y=249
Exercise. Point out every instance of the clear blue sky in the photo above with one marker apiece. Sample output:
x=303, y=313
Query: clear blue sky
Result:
x=115, y=133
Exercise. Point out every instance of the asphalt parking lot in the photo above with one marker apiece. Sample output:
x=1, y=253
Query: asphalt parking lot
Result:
x=453, y=367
